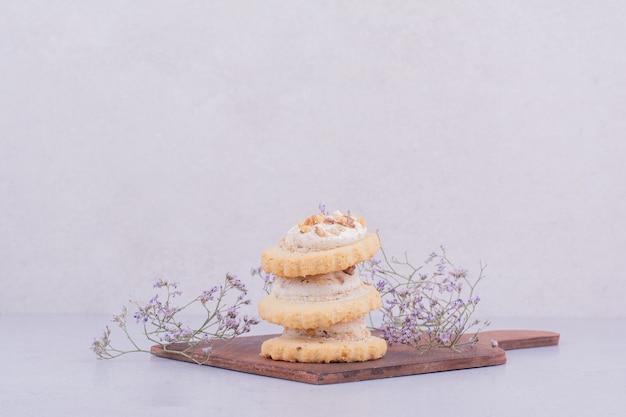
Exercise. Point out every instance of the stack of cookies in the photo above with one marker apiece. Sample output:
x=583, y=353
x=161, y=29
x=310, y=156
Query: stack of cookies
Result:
x=317, y=296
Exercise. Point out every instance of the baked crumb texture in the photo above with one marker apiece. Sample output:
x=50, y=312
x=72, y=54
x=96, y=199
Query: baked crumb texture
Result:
x=284, y=263
x=323, y=350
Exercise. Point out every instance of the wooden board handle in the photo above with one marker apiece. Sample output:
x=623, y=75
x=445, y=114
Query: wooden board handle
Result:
x=519, y=339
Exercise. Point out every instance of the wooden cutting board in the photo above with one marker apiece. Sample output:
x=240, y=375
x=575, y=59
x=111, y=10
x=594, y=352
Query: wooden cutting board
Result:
x=242, y=354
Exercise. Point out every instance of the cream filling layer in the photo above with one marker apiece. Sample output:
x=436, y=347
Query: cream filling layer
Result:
x=319, y=288
x=350, y=331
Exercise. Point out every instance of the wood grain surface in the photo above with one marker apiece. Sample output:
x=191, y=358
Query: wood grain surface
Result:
x=519, y=339
x=242, y=354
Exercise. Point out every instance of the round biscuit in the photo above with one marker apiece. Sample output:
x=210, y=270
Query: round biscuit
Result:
x=284, y=263
x=323, y=350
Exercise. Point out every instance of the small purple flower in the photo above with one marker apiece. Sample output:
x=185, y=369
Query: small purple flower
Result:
x=140, y=316
x=160, y=283
x=459, y=273
x=458, y=302
x=430, y=258
x=235, y=282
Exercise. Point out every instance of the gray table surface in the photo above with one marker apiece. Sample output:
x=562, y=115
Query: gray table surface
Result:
x=48, y=369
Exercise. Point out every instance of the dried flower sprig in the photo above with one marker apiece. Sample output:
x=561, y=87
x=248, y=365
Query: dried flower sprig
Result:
x=162, y=326
x=425, y=306
x=268, y=278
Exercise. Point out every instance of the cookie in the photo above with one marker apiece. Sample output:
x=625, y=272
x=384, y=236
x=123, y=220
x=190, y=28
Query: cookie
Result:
x=306, y=315
x=320, y=350
x=285, y=262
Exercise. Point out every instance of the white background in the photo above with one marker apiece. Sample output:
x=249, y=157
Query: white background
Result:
x=148, y=139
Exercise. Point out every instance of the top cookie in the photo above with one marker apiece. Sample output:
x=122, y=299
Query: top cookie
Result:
x=319, y=245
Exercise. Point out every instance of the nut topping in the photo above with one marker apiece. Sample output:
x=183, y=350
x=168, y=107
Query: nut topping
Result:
x=338, y=218
x=320, y=232
x=349, y=270
x=313, y=220
x=346, y=220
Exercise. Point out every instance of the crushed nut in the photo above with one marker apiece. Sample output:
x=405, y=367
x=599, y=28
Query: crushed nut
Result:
x=320, y=232
x=338, y=218
x=346, y=220
x=349, y=270
x=313, y=220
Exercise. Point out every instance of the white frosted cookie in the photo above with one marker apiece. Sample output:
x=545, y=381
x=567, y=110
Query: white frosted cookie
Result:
x=306, y=315
x=321, y=244
x=320, y=350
